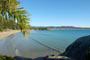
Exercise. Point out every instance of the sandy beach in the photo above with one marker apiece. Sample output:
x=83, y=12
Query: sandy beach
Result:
x=7, y=33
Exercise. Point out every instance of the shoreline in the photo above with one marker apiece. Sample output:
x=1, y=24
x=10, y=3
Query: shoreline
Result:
x=7, y=33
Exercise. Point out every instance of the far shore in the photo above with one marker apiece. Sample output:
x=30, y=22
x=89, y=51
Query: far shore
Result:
x=5, y=34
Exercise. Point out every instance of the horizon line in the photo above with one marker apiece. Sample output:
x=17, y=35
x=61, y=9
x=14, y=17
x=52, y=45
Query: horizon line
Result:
x=62, y=26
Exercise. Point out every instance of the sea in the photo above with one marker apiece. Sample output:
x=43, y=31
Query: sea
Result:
x=39, y=43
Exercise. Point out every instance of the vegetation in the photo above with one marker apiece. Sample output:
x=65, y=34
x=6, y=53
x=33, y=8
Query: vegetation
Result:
x=6, y=58
x=39, y=28
x=12, y=16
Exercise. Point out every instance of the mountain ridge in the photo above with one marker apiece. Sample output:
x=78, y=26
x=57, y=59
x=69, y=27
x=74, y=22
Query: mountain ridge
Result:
x=61, y=28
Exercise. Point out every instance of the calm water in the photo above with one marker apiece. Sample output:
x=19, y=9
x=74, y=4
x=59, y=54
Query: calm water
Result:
x=28, y=46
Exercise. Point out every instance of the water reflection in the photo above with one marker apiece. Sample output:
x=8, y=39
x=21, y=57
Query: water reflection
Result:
x=8, y=46
x=19, y=45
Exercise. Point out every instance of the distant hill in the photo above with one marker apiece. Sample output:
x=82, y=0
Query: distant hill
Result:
x=59, y=28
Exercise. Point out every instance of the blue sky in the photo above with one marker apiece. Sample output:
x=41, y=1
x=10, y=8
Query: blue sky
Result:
x=58, y=12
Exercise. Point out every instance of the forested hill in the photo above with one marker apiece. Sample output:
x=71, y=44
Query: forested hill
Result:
x=59, y=28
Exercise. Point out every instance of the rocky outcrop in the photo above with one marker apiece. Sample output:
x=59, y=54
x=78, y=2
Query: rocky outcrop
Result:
x=79, y=50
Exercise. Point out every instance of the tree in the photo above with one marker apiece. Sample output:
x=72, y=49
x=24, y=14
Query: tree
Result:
x=10, y=12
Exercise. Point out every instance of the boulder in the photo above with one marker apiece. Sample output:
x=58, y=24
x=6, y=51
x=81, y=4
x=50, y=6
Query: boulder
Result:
x=79, y=50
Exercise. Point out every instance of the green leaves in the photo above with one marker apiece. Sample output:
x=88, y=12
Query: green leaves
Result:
x=11, y=13
x=6, y=58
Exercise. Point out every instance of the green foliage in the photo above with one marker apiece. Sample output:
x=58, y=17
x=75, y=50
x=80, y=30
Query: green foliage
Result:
x=13, y=17
x=39, y=28
x=6, y=58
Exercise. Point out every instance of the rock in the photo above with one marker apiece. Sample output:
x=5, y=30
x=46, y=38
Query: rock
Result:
x=58, y=58
x=53, y=58
x=79, y=50
x=40, y=58
x=21, y=58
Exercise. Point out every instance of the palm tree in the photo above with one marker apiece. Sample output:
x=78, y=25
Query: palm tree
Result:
x=6, y=7
x=20, y=15
x=9, y=11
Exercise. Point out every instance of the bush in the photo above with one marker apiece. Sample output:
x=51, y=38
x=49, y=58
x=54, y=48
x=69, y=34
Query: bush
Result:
x=6, y=58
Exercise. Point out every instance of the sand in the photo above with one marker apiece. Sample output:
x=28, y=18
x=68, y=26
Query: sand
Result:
x=7, y=33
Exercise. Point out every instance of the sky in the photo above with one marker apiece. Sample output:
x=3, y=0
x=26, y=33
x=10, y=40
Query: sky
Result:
x=58, y=12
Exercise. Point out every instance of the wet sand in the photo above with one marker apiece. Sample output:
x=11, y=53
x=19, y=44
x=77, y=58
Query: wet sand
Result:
x=7, y=33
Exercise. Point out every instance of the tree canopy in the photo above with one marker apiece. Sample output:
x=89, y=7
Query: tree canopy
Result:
x=12, y=16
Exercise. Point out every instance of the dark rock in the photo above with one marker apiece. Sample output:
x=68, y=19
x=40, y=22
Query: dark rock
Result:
x=40, y=58
x=21, y=58
x=79, y=50
x=53, y=58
